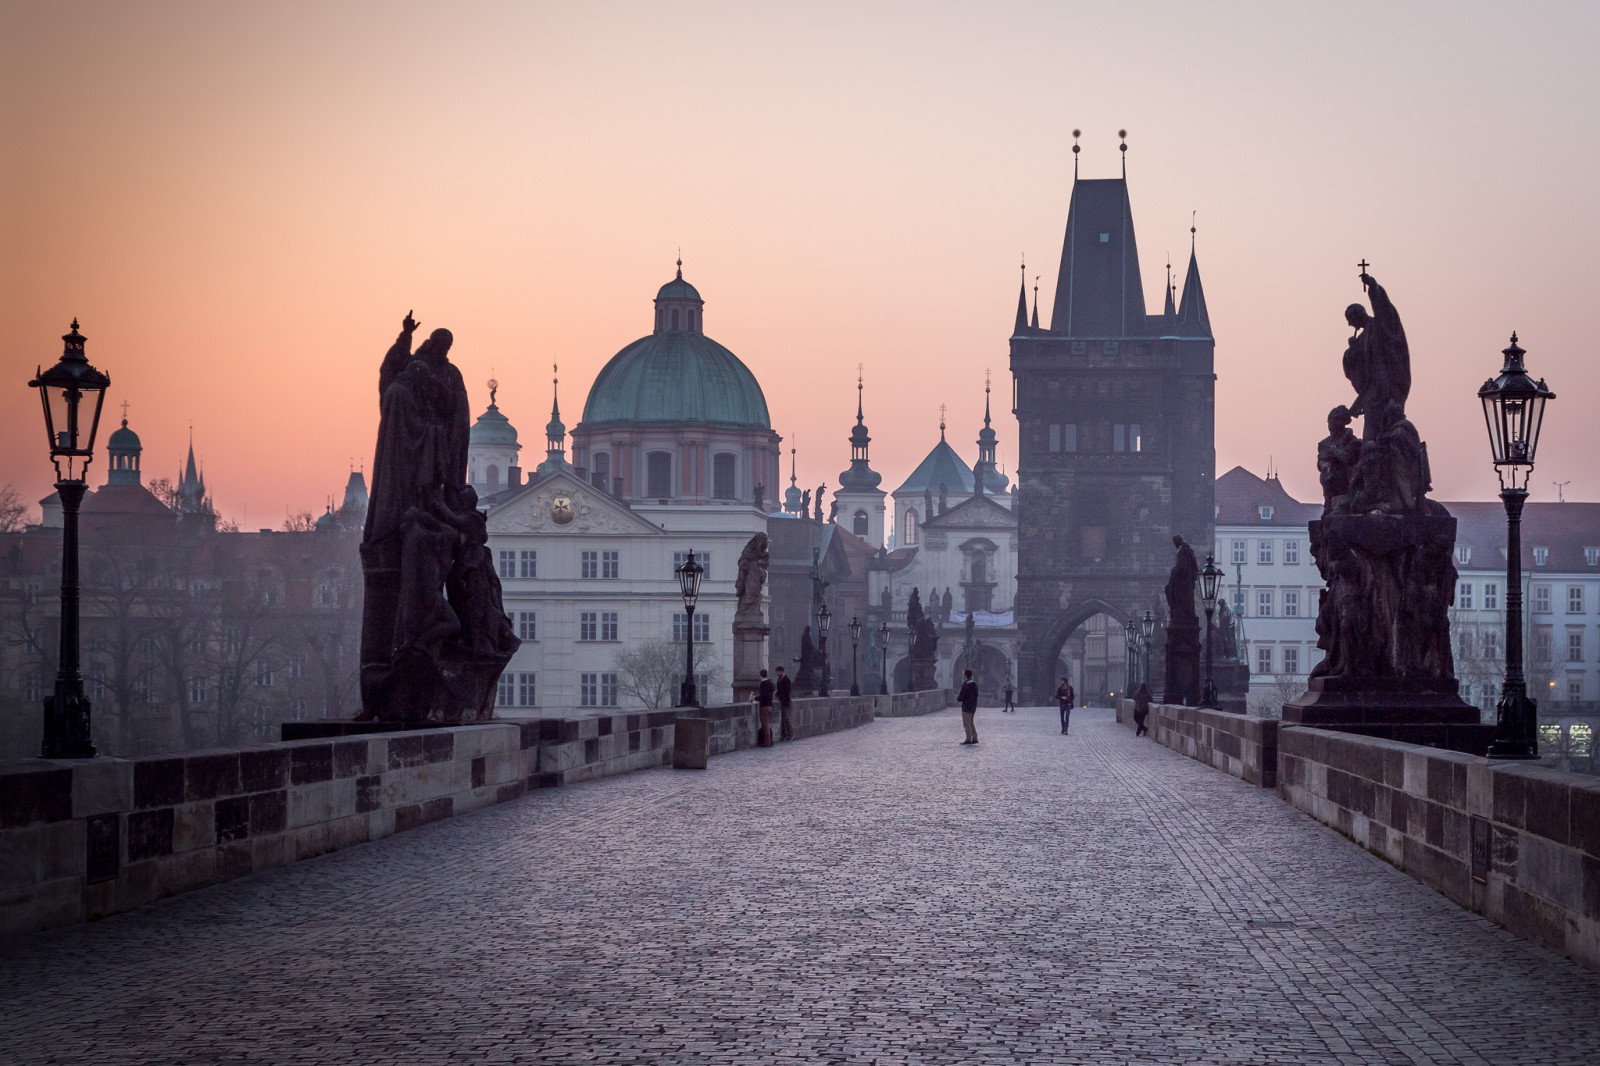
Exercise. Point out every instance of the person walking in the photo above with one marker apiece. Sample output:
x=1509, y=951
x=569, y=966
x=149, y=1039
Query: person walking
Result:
x=1009, y=691
x=1065, y=696
x=786, y=727
x=969, y=707
x=1141, y=708
x=764, y=706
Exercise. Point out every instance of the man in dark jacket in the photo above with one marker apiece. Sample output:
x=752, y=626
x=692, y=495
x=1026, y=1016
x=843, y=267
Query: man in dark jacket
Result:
x=1065, y=696
x=764, y=706
x=1008, y=691
x=969, y=707
x=786, y=731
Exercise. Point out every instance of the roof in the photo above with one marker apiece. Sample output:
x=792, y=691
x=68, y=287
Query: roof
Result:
x=123, y=440
x=1098, y=291
x=1240, y=495
x=942, y=467
x=676, y=376
x=1564, y=530
x=492, y=427
x=678, y=289
x=1193, y=319
x=125, y=499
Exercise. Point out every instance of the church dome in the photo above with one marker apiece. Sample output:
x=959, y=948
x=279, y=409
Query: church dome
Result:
x=492, y=427
x=677, y=374
x=124, y=440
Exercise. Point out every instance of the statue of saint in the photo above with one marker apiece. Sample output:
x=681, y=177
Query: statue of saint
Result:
x=804, y=677
x=1377, y=362
x=1180, y=587
x=1226, y=631
x=1337, y=456
x=752, y=577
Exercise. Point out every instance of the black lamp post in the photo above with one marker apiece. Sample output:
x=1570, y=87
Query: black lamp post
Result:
x=70, y=427
x=824, y=617
x=1513, y=408
x=1147, y=634
x=1208, y=596
x=689, y=575
x=883, y=654
x=1130, y=652
x=855, y=641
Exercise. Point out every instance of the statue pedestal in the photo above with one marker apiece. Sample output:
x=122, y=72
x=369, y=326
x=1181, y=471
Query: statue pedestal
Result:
x=1183, y=665
x=922, y=674
x=749, y=657
x=1232, y=679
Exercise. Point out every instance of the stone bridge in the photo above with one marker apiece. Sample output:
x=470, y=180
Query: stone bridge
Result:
x=877, y=895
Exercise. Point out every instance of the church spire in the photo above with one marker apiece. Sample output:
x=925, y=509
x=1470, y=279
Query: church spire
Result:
x=1193, y=320
x=1170, y=310
x=555, y=432
x=1022, y=302
x=985, y=478
x=792, y=494
x=1036, y=301
x=860, y=477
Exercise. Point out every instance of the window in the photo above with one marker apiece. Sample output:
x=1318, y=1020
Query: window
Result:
x=33, y=592
x=1464, y=644
x=505, y=692
x=1541, y=599
x=297, y=666
x=1463, y=554
x=608, y=625
x=1540, y=556
x=1491, y=644
x=1080, y=347
x=1464, y=595
x=1592, y=556
x=1574, y=689
x=608, y=565
x=674, y=318
x=1291, y=553
x=1055, y=437
x=263, y=673
x=597, y=690
x=1264, y=552
x=859, y=524
x=197, y=690
x=1135, y=439
x=1582, y=734
x=1574, y=599
x=722, y=477
x=1264, y=603
x=1291, y=604
x=702, y=628
x=508, y=564
x=910, y=527
x=492, y=476
x=525, y=689
x=703, y=558
x=589, y=625
x=1541, y=645
x=1238, y=552
x=1550, y=735
x=530, y=564
x=600, y=471
x=1291, y=660
x=1575, y=646
x=1109, y=347
x=1264, y=511
x=1491, y=596
x=1466, y=693
x=1263, y=660
x=528, y=625
x=32, y=688
x=1119, y=436
x=658, y=475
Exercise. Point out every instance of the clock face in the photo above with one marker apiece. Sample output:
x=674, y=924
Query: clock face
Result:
x=561, y=510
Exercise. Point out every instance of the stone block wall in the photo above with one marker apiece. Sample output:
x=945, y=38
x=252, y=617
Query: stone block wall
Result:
x=562, y=751
x=1234, y=743
x=911, y=704
x=1516, y=842
x=82, y=839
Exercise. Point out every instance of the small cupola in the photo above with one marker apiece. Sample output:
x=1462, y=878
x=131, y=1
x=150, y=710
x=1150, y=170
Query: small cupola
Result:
x=679, y=307
x=123, y=450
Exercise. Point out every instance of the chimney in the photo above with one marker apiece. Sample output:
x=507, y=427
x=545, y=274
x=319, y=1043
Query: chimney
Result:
x=513, y=477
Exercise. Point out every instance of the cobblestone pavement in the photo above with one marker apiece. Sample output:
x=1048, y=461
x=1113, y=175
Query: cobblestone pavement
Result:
x=883, y=895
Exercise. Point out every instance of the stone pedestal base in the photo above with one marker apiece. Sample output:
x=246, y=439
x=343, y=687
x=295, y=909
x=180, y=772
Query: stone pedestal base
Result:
x=749, y=658
x=1183, y=666
x=922, y=675
x=1415, y=712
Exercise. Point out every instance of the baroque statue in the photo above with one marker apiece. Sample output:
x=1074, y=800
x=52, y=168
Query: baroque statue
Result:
x=1180, y=587
x=434, y=633
x=753, y=562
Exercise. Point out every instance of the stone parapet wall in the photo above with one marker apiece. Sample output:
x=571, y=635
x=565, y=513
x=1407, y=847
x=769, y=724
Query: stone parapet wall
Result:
x=80, y=839
x=911, y=704
x=1516, y=842
x=1234, y=743
x=563, y=751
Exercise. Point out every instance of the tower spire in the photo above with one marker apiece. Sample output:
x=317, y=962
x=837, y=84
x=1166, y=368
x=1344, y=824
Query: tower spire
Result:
x=1123, y=148
x=1022, y=301
x=941, y=421
x=859, y=368
x=1075, y=150
x=555, y=433
x=1036, y=301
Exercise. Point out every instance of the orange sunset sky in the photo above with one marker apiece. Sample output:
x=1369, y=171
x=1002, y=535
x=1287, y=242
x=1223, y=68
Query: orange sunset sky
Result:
x=240, y=202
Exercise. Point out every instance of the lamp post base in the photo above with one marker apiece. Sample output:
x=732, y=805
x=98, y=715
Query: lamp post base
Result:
x=66, y=727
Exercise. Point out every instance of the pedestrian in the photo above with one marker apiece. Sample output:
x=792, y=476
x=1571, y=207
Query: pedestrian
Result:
x=1009, y=691
x=1141, y=708
x=969, y=707
x=786, y=729
x=764, y=704
x=1065, y=696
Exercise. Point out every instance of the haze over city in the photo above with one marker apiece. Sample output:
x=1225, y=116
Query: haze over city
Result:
x=241, y=203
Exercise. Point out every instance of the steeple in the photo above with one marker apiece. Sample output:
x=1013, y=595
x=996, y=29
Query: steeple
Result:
x=555, y=433
x=123, y=451
x=1022, y=303
x=1193, y=321
x=191, y=485
x=792, y=495
x=1099, y=294
x=1036, y=301
x=985, y=478
x=1169, y=310
x=860, y=477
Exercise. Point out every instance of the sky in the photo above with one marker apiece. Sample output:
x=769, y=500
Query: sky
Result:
x=240, y=203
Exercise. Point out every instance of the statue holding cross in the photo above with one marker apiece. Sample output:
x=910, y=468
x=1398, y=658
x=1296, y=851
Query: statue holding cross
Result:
x=1377, y=361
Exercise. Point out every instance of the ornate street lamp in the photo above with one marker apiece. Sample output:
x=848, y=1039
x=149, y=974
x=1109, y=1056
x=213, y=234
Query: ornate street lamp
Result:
x=1147, y=635
x=855, y=640
x=824, y=617
x=883, y=654
x=1130, y=651
x=1208, y=596
x=1513, y=409
x=70, y=425
x=689, y=575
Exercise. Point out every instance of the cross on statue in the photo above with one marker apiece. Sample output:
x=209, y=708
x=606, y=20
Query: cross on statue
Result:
x=1363, y=265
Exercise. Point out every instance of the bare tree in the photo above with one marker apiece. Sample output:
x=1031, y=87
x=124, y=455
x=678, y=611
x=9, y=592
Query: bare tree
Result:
x=652, y=671
x=1267, y=700
x=13, y=511
x=299, y=523
x=164, y=490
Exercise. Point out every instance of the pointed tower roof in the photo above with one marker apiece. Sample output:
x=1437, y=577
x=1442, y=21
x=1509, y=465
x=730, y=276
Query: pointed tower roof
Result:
x=792, y=495
x=941, y=467
x=555, y=432
x=860, y=477
x=1193, y=320
x=1098, y=292
x=1022, y=304
x=1169, y=310
x=985, y=477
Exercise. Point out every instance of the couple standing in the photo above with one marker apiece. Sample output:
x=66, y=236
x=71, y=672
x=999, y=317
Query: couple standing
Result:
x=782, y=691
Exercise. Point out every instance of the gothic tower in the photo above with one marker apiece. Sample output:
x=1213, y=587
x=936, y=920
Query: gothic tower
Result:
x=1116, y=451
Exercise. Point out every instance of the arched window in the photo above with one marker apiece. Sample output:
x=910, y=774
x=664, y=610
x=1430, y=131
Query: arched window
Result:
x=674, y=318
x=600, y=470
x=492, y=476
x=722, y=468
x=658, y=473
x=859, y=524
x=979, y=570
x=911, y=527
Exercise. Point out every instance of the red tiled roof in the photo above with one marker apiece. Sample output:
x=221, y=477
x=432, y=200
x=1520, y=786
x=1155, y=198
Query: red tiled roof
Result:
x=1240, y=496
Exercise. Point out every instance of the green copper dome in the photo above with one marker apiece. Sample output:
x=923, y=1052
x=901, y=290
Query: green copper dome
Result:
x=676, y=376
x=678, y=289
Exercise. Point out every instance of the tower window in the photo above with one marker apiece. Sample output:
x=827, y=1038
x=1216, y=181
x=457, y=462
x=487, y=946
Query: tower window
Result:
x=491, y=476
x=911, y=527
x=658, y=470
x=859, y=524
x=600, y=471
x=722, y=468
x=674, y=318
